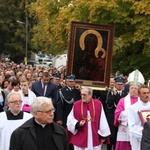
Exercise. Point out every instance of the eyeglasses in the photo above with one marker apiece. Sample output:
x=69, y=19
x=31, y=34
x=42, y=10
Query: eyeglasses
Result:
x=16, y=102
x=84, y=94
x=48, y=111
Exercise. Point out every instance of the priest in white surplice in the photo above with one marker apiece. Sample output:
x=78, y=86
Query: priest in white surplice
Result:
x=135, y=80
x=87, y=125
x=11, y=119
x=134, y=122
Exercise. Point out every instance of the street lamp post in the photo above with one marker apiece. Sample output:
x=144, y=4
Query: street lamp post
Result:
x=26, y=58
x=26, y=50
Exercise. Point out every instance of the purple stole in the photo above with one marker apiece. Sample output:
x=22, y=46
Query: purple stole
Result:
x=80, y=139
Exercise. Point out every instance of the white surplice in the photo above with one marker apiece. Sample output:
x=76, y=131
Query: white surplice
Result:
x=103, y=131
x=27, y=100
x=134, y=123
x=7, y=127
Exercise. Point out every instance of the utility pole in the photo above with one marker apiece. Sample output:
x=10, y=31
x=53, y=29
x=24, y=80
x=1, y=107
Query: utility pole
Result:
x=26, y=53
x=27, y=39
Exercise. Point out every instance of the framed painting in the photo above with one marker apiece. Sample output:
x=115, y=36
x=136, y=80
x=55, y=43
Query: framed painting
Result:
x=144, y=116
x=90, y=53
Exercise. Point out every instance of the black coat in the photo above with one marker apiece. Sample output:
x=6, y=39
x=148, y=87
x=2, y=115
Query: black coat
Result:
x=111, y=103
x=63, y=108
x=24, y=137
x=145, y=143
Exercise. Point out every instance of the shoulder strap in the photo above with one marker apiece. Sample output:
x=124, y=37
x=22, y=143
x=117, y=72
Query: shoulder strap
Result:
x=63, y=98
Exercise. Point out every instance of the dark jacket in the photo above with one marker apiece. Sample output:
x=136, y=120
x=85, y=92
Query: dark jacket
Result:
x=145, y=143
x=111, y=103
x=24, y=138
x=51, y=91
x=64, y=103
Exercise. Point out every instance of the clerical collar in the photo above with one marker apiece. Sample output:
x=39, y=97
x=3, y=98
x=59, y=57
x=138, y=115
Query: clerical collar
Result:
x=26, y=95
x=43, y=125
x=11, y=116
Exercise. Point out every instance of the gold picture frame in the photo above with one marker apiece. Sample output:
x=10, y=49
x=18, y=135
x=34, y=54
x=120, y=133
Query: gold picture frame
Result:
x=144, y=116
x=90, y=53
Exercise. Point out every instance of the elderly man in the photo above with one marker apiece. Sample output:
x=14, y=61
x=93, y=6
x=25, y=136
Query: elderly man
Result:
x=135, y=79
x=86, y=123
x=134, y=122
x=11, y=119
x=40, y=132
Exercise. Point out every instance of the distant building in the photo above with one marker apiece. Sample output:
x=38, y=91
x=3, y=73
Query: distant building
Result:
x=59, y=61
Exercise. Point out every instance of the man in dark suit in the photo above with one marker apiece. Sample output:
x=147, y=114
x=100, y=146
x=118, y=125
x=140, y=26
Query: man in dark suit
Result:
x=45, y=88
x=66, y=98
x=145, y=143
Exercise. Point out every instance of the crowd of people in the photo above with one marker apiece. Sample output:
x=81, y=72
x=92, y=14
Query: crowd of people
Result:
x=43, y=108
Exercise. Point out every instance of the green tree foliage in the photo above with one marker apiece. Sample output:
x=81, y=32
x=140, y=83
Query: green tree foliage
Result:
x=49, y=22
x=45, y=38
x=130, y=18
x=12, y=33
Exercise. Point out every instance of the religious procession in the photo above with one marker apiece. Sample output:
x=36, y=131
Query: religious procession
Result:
x=44, y=108
x=74, y=75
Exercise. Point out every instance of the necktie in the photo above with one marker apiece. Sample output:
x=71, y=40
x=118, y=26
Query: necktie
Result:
x=43, y=88
x=120, y=93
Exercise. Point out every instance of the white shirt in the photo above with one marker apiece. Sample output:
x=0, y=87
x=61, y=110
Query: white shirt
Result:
x=28, y=100
x=135, y=124
x=7, y=127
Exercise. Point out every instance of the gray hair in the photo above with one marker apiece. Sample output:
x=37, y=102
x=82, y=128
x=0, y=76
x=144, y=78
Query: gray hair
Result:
x=11, y=78
x=90, y=91
x=9, y=96
x=38, y=102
